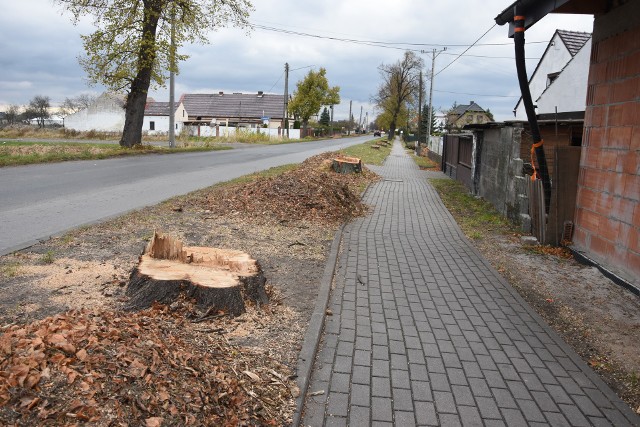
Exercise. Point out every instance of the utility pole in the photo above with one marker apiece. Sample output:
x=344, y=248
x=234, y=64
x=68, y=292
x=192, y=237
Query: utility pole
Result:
x=350, y=121
x=360, y=121
x=434, y=55
x=172, y=82
x=419, y=116
x=285, y=113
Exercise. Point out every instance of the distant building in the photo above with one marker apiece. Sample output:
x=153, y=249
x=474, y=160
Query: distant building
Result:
x=156, y=117
x=559, y=81
x=461, y=115
x=249, y=110
x=106, y=114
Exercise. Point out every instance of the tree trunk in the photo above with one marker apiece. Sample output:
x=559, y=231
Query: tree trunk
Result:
x=137, y=98
x=215, y=278
x=347, y=164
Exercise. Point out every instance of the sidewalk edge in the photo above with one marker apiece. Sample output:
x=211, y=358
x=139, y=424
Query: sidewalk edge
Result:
x=309, y=348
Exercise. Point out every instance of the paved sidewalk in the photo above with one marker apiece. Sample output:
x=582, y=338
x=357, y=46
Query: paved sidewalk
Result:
x=425, y=332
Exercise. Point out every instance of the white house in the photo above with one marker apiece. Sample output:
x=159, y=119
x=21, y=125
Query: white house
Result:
x=156, y=118
x=106, y=114
x=559, y=82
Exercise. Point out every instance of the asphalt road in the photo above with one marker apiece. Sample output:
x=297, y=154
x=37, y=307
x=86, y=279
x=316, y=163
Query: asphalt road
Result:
x=41, y=201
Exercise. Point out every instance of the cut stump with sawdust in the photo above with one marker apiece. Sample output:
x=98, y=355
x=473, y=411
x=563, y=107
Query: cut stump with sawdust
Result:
x=217, y=279
x=347, y=165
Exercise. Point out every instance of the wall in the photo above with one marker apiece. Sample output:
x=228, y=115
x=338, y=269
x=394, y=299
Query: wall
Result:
x=607, y=227
x=569, y=91
x=554, y=59
x=498, y=176
x=161, y=125
x=231, y=131
x=552, y=139
x=105, y=115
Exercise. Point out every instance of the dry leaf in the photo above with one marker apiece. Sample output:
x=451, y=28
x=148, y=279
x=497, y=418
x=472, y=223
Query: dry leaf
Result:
x=254, y=377
x=154, y=421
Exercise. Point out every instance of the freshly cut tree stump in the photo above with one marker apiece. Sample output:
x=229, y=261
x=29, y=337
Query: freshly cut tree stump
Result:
x=347, y=165
x=215, y=278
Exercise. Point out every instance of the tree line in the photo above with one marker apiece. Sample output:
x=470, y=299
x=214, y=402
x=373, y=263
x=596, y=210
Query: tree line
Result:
x=39, y=109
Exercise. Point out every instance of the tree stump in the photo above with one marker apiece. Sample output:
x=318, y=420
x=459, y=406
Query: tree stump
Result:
x=375, y=147
x=214, y=278
x=347, y=165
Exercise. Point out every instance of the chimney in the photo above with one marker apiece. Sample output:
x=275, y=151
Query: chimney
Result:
x=260, y=94
x=220, y=93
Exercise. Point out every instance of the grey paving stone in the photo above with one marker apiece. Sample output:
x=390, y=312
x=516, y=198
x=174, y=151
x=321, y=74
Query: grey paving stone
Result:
x=436, y=337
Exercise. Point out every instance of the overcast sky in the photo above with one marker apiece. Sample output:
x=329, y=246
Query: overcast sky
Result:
x=39, y=48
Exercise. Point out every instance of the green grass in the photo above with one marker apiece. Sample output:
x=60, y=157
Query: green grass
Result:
x=367, y=154
x=475, y=216
x=48, y=257
x=14, y=153
x=422, y=162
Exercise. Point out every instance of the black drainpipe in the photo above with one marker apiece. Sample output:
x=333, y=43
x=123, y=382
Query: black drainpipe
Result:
x=543, y=172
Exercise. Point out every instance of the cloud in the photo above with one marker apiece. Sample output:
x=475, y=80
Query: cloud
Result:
x=40, y=47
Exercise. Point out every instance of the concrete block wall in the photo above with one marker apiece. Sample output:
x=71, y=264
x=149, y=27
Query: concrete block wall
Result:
x=607, y=224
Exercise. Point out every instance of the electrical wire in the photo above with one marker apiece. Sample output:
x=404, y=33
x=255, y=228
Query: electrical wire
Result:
x=465, y=51
x=478, y=94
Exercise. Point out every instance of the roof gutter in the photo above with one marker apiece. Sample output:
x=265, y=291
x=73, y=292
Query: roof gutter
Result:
x=533, y=10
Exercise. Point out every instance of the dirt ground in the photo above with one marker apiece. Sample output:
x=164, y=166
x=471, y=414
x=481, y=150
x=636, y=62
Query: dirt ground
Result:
x=89, y=268
x=598, y=318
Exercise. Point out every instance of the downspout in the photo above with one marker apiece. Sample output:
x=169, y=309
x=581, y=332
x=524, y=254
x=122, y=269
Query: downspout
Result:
x=537, y=147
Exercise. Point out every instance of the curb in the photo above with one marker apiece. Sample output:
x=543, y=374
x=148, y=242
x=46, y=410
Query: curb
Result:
x=316, y=325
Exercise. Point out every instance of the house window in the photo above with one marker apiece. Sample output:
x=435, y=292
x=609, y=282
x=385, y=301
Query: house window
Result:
x=152, y=125
x=551, y=77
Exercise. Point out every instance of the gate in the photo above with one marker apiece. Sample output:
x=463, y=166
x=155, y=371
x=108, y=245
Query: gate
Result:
x=457, y=158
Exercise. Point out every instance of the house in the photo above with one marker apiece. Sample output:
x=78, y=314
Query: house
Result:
x=461, y=115
x=106, y=114
x=606, y=224
x=559, y=82
x=156, y=117
x=250, y=110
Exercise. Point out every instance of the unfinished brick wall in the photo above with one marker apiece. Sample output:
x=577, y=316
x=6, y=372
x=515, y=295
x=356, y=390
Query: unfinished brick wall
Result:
x=607, y=222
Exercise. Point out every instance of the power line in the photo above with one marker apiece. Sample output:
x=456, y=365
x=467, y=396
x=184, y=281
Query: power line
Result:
x=374, y=43
x=274, y=85
x=478, y=94
x=465, y=51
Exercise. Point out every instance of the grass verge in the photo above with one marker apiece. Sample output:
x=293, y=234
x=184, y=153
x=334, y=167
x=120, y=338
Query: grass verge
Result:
x=368, y=155
x=476, y=216
x=15, y=153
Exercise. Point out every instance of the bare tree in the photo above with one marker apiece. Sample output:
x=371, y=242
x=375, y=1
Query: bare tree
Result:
x=77, y=103
x=12, y=114
x=399, y=88
x=39, y=109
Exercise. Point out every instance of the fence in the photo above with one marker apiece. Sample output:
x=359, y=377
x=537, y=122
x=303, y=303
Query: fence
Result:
x=228, y=131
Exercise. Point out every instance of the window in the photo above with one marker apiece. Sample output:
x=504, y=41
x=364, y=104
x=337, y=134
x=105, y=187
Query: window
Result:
x=152, y=125
x=551, y=77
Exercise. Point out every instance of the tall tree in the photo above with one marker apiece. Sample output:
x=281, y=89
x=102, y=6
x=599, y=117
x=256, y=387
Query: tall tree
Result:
x=400, y=85
x=312, y=93
x=131, y=47
x=39, y=109
x=425, y=120
x=325, y=117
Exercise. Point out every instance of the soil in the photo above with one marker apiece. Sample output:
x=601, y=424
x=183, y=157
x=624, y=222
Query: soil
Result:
x=77, y=283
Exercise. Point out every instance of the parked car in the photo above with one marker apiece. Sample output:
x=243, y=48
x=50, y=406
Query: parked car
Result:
x=377, y=133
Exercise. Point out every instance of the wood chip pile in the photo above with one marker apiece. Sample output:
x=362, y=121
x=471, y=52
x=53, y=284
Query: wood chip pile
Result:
x=312, y=192
x=147, y=368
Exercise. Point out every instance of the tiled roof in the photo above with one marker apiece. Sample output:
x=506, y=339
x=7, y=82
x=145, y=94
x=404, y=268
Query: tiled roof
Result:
x=472, y=107
x=573, y=40
x=233, y=105
x=158, y=108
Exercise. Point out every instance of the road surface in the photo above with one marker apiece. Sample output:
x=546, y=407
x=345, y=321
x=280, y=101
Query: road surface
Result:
x=41, y=201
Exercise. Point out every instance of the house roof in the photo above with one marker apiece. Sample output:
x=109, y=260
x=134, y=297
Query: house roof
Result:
x=154, y=108
x=471, y=107
x=573, y=40
x=233, y=105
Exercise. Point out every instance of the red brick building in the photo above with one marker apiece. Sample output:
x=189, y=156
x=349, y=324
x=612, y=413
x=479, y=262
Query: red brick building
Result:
x=607, y=217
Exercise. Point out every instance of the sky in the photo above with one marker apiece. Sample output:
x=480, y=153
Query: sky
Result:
x=40, y=47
